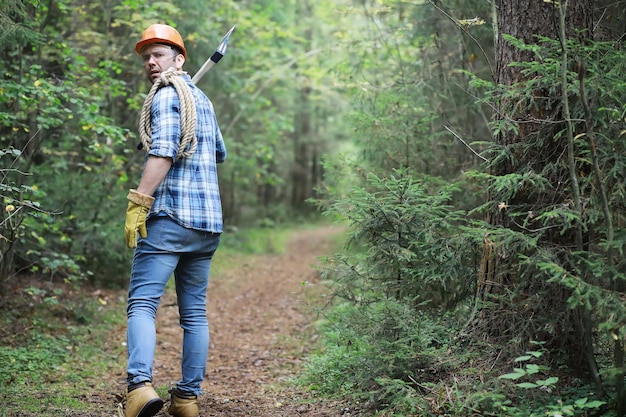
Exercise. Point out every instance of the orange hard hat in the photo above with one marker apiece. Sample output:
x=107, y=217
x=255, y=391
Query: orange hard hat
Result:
x=161, y=34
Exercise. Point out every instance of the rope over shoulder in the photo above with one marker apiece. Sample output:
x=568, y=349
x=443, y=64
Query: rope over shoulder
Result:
x=187, y=113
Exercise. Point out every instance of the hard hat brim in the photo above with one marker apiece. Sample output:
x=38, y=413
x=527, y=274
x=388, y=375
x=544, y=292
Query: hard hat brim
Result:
x=142, y=44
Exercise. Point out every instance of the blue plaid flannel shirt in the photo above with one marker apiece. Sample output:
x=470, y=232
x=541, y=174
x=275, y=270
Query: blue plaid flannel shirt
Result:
x=189, y=194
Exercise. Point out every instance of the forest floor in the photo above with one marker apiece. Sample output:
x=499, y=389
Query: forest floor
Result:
x=261, y=313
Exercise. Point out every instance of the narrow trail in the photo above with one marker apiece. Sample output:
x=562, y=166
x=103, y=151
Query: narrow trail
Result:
x=260, y=328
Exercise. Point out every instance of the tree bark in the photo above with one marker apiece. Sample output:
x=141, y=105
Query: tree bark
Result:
x=534, y=145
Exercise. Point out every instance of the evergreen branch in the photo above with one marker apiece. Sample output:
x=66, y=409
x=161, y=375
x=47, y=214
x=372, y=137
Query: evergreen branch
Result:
x=465, y=143
x=526, y=229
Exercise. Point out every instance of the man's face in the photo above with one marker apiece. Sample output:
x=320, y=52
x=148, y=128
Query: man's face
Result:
x=159, y=58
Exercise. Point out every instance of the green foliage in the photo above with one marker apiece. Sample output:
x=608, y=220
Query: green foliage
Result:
x=375, y=353
x=407, y=264
x=541, y=241
x=534, y=196
x=405, y=267
x=542, y=396
x=251, y=241
x=411, y=249
x=589, y=283
x=19, y=202
x=528, y=370
x=32, y=364
x=16, y=26
x=70, y=92
x=53, y=345
x=279, y=106
x=408, y=182
x=68, y=163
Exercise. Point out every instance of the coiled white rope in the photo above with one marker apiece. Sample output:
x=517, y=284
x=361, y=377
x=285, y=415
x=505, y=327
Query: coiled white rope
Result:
x=187, y=113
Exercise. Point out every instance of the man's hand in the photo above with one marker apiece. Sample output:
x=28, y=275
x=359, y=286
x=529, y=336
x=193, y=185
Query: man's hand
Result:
x=138, y=207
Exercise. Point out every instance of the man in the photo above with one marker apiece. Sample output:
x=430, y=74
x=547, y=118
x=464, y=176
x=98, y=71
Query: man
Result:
x=176, y=211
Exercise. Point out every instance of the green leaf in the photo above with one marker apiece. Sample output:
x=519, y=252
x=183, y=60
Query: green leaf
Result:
x=532, y=368
x=518, y=373
x=547, y=382
x=527, y=385
x=584, y=403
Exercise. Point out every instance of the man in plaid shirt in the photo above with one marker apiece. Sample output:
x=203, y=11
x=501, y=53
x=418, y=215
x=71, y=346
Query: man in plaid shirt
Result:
x=174, y=222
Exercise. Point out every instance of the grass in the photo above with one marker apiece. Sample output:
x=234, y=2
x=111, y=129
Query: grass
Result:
x=236, y=245
x=56, y=349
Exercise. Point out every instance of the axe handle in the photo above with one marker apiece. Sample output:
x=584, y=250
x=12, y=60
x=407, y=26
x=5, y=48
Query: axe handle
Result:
x=215, y=58
x=208, y=64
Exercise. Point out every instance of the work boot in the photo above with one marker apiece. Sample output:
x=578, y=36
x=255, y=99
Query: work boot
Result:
x=142, y=401
x=183, y=404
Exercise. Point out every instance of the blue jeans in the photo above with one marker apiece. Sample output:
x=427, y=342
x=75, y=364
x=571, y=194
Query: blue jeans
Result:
x=170, y=249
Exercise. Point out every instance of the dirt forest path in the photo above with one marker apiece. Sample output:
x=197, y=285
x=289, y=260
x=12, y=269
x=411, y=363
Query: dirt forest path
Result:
x=260, y=328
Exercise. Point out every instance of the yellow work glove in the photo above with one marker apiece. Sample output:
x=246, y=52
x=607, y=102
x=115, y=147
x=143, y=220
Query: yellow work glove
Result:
x=138, y=207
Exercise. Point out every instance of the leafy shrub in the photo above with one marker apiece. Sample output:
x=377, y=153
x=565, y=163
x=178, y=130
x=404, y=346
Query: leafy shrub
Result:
x=409, y=248
x=405, y=268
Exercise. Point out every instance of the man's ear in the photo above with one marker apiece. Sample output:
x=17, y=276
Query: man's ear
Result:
x=180, y=61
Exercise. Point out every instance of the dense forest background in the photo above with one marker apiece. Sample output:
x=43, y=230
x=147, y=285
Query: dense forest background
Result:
x=475, y=148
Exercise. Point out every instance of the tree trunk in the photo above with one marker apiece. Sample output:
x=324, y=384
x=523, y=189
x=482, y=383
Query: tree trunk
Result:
x=300, y=172
x=534, y=145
